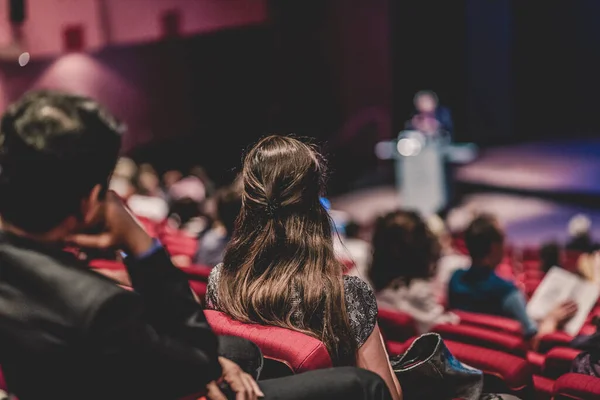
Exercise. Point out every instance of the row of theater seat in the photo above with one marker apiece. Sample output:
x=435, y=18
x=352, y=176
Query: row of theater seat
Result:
x=492, y=344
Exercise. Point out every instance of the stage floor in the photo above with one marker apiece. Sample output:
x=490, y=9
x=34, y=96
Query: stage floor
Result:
x=534, y=189
x=559, y=167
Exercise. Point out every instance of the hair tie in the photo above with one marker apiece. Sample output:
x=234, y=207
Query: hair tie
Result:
x=272, y=209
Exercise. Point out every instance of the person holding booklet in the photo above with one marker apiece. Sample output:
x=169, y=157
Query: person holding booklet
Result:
x=480, y=289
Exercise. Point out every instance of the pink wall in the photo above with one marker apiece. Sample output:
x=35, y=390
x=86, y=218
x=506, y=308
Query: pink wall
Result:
x=134, y=21
x=129, y=21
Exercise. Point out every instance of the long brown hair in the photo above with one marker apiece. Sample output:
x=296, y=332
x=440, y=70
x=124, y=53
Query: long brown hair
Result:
x=279, y=267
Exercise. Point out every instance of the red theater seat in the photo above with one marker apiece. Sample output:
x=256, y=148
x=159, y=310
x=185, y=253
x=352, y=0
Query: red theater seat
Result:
x=504, y=372
x=536, y=361
x=396, y=325
x=576, y=386
x=491, y=322
x=543, y=387
x=197, y=272
x=558, y=361
x=556, y=339
x=484, y=338
x=294, y=350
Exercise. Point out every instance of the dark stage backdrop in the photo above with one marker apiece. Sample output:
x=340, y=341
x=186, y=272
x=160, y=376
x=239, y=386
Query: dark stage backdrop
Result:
x=557, y=64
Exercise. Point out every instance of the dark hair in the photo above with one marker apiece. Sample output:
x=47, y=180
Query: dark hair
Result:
x=352, y=229
x=549, y=255
x=54, y=148
x=403, y=247
x=229, y=204
x=429, y=93
x=481, y=234
x=279, y=267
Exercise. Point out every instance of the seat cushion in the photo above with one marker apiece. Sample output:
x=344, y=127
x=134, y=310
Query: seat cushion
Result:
x=298, y=351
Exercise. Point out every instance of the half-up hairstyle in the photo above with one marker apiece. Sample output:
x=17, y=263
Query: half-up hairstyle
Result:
x=279, y=267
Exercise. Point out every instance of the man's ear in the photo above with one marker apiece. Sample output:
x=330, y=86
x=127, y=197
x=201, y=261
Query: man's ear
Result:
x=91, y=206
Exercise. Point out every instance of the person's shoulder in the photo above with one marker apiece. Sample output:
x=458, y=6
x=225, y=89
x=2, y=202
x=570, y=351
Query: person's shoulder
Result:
x=502, y=284
x=215, y=273
x=212, y=296
x=361, y=306
x=355, y=286
x=61, y=284
x=458, y=274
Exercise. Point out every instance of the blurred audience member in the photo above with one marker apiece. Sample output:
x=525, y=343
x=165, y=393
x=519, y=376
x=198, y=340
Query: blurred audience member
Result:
x=580, y=235
x=212, y=244
x=170, y=178
x=186, y=199
x=405, y=256
x=450, y=259
x=549, y=256
x=68, y=332
x=480, y=289
x=149, y=200
x=280, y=267
x=122, y=178
x=356, y=249
x=201, y=174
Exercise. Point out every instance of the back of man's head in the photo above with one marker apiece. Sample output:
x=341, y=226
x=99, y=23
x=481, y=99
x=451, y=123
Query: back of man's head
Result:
x=481, y=235
x=54, y=148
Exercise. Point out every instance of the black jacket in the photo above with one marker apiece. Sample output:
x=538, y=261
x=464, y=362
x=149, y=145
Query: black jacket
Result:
x=67, y=332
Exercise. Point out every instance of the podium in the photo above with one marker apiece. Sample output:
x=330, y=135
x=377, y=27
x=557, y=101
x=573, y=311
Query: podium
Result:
x=421, y=164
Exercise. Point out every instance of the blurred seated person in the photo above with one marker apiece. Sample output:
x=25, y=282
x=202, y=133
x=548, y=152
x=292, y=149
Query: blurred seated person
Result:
x=429, y=117
x=186, y=198
x=549, y=256
x=580, y=236
x=450, y=259
x=149, y=199
x=405, y=256
x=280, y=267
x=479, y=289
x=170, y=178
x=212, y=243
x=70, y=333
x=200, y=173
x=122, y=178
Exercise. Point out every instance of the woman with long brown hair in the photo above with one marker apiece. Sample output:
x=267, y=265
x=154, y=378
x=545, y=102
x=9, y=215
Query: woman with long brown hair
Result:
x=280, y=269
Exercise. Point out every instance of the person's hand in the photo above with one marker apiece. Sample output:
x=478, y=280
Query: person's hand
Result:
x=564, y=312
x=242, y=384
x=121, y=230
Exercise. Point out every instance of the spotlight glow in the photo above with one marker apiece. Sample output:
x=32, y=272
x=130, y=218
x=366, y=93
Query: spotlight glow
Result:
x=24, y=59
x=408, y=147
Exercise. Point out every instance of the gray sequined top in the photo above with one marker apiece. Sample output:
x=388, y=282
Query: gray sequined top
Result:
x=360, y=303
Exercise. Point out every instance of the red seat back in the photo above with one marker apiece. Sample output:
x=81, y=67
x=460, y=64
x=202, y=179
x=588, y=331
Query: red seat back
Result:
x=483, y=337
x=491, y=322
x=396, y=325
x=558, y=361
x=577, y=386
x=296, y=350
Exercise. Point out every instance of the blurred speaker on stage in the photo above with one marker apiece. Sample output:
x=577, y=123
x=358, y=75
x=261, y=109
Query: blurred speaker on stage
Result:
x=429, y=117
